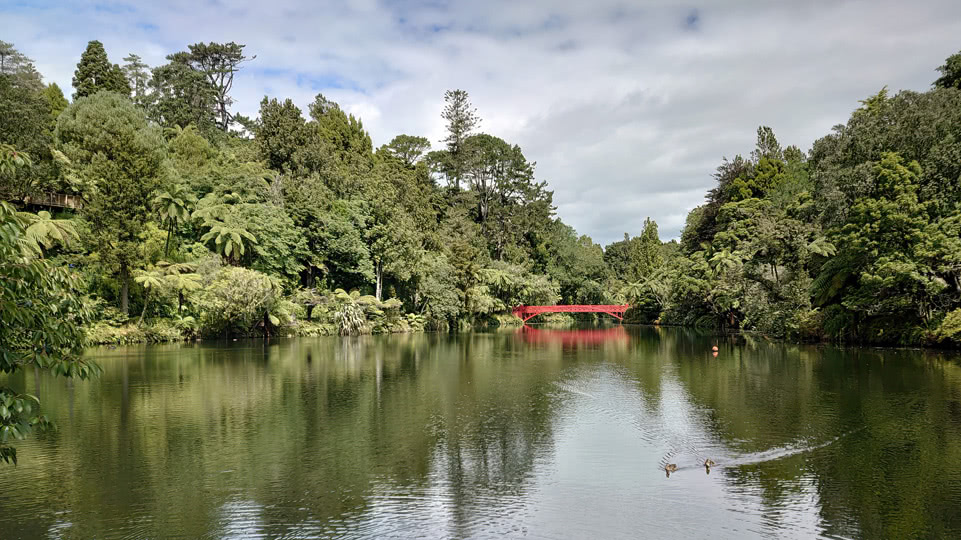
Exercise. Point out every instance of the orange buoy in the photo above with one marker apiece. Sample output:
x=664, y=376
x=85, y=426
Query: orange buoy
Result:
x=714, y=348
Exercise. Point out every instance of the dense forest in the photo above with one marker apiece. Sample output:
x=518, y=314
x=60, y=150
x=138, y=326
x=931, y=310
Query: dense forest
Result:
x=149, y=210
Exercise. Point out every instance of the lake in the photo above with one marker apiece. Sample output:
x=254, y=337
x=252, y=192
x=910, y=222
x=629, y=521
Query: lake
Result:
x=537, y=433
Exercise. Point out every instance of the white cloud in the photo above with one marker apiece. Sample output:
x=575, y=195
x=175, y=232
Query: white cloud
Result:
x=627, y=107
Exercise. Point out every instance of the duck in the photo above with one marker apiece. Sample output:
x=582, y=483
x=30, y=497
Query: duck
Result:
x=709, y=463
x=669, y=468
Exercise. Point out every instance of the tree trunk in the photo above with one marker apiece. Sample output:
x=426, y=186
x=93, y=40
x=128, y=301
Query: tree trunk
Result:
x=170, y=229
x=146, y=298
x=124, y=289
x=379, y=270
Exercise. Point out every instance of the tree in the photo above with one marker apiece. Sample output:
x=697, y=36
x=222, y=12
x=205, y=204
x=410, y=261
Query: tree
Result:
x=218, y=62
x=462, y=120
x=151, y=280
x=45, y=231
x=577, y=265
x=280, y=250
x=56, y=101
x=24, y=124
x=174, y=209
x=181, y=278
x=19, y=67
x=180, y=95
x=649, y=249
x=392, y=234
x=408, y=148
x=507, y=199
x=41, y=325
x=118, y=156
x=950, y=72
x=889, y=279
x=281, y=134
x=138, y=75
x=342, y=137
x=229, y=239
x=95, y=73
x=237, y=299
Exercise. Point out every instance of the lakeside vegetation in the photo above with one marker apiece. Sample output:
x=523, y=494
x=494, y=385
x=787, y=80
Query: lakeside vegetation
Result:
x=193, y=221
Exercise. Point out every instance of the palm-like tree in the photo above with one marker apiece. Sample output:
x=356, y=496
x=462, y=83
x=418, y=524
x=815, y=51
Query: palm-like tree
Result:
x=501, y=281
x=351, y=315
x=724, y=260
x=180, y=277
x=633, y=291
x=43, y=230
x=229, y=241
x=174, y=209
x=151, y=280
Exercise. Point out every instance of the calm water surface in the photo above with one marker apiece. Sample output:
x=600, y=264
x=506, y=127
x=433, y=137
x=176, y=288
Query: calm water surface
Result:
x=534, y=434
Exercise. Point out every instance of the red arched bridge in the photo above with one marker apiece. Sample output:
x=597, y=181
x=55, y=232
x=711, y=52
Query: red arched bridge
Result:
x=527, y=312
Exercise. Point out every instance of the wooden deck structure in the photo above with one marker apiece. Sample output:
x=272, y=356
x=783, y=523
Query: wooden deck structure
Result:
x=57, y=200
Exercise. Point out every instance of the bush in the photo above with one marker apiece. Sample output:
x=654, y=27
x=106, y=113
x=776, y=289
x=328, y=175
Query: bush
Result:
x=237, y=301
x=809, y=325
x=948, y=331
x=159, y=331
x=313, y=329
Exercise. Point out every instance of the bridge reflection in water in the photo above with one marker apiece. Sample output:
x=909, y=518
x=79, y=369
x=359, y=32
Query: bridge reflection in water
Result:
x=573, y=337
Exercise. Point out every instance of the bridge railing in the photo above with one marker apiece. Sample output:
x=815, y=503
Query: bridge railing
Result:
x=527, y=312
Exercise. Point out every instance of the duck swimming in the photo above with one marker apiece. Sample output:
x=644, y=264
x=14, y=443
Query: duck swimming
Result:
x=669, y=468
x=709, y=462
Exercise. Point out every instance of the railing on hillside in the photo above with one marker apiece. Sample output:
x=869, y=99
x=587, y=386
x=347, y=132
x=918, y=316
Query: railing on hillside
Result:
x=59, y=200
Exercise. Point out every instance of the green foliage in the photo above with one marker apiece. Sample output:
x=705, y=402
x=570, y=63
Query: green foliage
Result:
x=350, y=319
x=42, y=314
x=156, y=331
x=181, y=96
x=55, y=101
x=236, y=301
x=462, y=120
x=24, y=125
x=18, y=68
x=137, y=75
x=950, y=73
x=45, y=231
x=117, y=156
x=860, y=238
x=95, y=74
x=227, y=239
x=577, y=265
x=949, y=330
x=217, y=62
x=882, y=241
x=857, y=240
x=174, y=209
x=281, y=134
x=409, y=149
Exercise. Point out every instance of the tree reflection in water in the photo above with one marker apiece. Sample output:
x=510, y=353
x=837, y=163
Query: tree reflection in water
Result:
x=556, y=433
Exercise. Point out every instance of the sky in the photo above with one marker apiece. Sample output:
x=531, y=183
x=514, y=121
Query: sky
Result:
x=626, y=107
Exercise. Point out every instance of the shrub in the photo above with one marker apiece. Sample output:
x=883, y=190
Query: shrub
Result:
x=236, y=301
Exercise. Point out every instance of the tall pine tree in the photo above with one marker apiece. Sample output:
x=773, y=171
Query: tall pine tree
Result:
x=95, y=73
